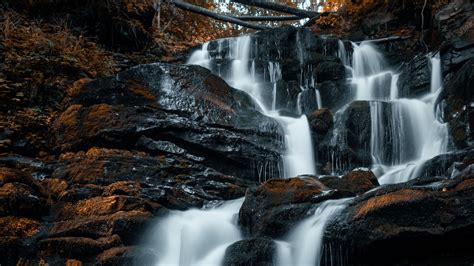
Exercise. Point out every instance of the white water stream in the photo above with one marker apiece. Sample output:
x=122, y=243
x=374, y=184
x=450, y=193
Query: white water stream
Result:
x=304, y=244
x=196, y=237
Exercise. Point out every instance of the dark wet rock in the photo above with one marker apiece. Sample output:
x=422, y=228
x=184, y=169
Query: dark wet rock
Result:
x=335, y=93
x=308, y=101
x=447, y=165
x=286, y=96
x=419, y=219
x=128, y=256
x=320, y=121
x=277, y=204
x=457, y=98
x=347, y=146
x=22, y=200
x=415, y=77
x=126, y=224
x=183, y=105
x=455, y=25
x=328, y=71
x=256, y=251
x=355, y=182
x=174, y=182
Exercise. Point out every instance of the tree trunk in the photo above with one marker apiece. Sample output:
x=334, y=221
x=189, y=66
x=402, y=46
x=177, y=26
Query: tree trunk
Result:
x=199, y=10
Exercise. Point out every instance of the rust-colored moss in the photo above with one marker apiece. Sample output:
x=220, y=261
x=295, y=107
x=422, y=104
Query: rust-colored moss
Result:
x=96, y=152
x=404, y=195
x=466, y=184
x=18, y=227
x=289, y=190
x=141, y=90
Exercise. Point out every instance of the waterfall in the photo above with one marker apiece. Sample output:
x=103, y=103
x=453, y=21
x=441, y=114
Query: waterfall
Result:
x=303, y=246
x=413, y=134
x=405, y=133
x=299, y=158
x=196, y=237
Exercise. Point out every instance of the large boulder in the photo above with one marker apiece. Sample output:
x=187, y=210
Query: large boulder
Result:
x=169, y=109
x=256, y=251
x=353, y=183
x=272, y=208
x=419, y=219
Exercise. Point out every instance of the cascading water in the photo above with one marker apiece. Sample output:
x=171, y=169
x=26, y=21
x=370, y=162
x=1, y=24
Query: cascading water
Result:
x=299, y=157
x=413, y=132
x=200, y=237
x=304, y=244
x=196, y=237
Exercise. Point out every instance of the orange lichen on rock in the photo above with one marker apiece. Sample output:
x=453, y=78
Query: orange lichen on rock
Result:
x=469, y=183
x=96, y=152
x=76, y=87
x=12, y=226
x=138, y=89
x=397, y=197
x=289, y=190
x=69, y=117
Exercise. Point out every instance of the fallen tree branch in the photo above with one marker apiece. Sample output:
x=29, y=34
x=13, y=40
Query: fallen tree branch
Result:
x=267, y=18
x=279, y=7
x=387, y=39
x=205, y=12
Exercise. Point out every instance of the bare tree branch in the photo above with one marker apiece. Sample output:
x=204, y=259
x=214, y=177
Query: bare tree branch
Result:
x=279, y=7
x=267, y=18
x=387, y=39
x=205, y=12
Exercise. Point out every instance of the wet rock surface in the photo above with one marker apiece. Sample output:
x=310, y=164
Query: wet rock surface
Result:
x=274, y=207
x=347, y=143
x=161, y=108
x=438, y=231
x=258, y=251
x=457, y=98
x=93, y=206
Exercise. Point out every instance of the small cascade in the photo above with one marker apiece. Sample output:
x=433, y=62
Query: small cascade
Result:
x=201, y=57
x=303, y=245
x=196, y=237
x=299, y=157
x=405, y=133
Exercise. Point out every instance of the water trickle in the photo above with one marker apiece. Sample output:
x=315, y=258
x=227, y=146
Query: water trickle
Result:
x=304, y=244
x=201, y=57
